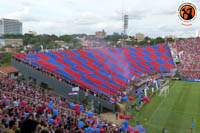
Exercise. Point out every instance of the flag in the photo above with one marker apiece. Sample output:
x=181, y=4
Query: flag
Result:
x=112, y=100
x=133, y=78
x=152, y=84
x=139, y=100
x=152, y=88
x=158, y=82
x=141, y=92
x=138, y=92
x=147, y=87
x=42, y=48
x=75, y=89
x=73, y=94
x=145, y=91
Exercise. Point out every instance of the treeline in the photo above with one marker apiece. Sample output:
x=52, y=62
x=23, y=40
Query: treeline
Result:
x=48, y=41
x=115, y=37
x=42, y=39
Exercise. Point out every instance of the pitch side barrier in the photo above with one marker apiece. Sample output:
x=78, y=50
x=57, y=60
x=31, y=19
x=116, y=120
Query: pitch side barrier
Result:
x=191, y=80
x=144, y=80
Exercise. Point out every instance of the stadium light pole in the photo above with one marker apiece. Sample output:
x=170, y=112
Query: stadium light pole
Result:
x=124, y=24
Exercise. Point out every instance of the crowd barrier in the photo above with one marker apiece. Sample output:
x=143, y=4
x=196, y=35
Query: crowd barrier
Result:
x=191, y=80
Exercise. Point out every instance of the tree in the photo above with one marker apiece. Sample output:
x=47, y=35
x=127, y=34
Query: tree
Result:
x=19, y=50
x=147, y=39
x=26, y=38
x=157, y=40
x=11, y=36
x=2, y=49
x=181, y=38
x=36, y=46
x=54, y=37
x=132, y=42
x=76, y=46
x=142, y=42
x=114, y=37
x=170, y=39
x=5, y=60
x=66, y=38
x=32, y=40
x=49, y=46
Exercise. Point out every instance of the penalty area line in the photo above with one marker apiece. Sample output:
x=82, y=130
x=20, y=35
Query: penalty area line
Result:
x=158, y=108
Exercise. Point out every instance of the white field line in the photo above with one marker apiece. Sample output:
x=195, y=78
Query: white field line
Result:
x=179, y=112
x=181, y=98
x=172, y=130
x=158, y=108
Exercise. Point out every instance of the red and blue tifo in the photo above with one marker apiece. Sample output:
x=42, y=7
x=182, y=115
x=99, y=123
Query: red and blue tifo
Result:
x=105, y=71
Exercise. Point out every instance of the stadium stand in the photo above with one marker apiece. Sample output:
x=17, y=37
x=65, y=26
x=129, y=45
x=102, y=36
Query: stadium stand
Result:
x=21, y=102
x=105, y=71
x=187, y=52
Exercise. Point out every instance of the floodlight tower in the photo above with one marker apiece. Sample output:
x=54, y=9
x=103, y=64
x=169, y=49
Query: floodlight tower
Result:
x=125, y=23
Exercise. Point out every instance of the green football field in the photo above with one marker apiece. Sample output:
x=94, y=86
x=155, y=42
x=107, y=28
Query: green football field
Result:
x=176, y=112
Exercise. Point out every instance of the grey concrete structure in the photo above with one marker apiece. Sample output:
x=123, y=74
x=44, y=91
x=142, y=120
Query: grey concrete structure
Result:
x=10, y=26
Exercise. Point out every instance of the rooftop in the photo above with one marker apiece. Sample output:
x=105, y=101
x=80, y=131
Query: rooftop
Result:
x=8, y=69
x=2, y=75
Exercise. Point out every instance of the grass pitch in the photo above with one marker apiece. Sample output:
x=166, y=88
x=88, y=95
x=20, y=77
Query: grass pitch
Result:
x=176, y=112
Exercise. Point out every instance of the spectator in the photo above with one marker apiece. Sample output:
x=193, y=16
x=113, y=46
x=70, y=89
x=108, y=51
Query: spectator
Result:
x=117, y=116
x=11, y=128
x=29, y=126
x=58, y=131
x=187, y=52
x=44, y=131
x=28, y=109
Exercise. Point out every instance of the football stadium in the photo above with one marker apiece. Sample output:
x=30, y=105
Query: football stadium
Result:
x=151, y=89
x=102, y=66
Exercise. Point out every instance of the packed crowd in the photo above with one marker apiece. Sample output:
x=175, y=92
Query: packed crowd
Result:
x=46, y=71
x=188, y=52
x=25, y=109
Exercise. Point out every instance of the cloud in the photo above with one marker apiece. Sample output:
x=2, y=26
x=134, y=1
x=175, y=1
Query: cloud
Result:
x=166, y=28
x=101, y=26
x=133, y=14
x=88, y=16
x=182, y=31
x=67, y=2
x=137, y=14
x=22, y=15
x=170, y=11
x=27, y=4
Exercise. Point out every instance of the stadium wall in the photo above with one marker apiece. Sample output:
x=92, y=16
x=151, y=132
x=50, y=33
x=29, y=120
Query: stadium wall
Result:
x=60, y=88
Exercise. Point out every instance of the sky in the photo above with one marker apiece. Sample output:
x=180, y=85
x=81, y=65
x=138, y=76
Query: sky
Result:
x=152, y=17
